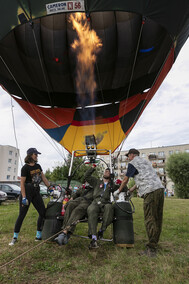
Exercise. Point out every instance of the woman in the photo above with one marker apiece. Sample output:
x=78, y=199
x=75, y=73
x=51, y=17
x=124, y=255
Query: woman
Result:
x=31, y=176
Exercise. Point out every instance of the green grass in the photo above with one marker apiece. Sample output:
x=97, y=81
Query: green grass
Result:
x=74, y=263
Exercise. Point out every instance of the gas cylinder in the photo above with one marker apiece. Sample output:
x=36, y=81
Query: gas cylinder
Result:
x=123, y=233
x=52, y=223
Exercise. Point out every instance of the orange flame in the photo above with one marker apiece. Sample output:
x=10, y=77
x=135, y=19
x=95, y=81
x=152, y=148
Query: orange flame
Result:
x=87, y=45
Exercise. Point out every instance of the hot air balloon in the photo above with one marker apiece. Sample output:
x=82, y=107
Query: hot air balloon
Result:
x=140, y=41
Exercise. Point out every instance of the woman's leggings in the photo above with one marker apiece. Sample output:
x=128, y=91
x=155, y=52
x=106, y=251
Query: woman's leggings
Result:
x=33, y=196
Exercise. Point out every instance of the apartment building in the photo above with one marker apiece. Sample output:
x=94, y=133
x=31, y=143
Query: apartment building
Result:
x=156, y=155
x=9, y=163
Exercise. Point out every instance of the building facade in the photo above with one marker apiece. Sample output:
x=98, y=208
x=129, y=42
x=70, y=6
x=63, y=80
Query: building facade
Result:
x=9, y=163
x=157, y=156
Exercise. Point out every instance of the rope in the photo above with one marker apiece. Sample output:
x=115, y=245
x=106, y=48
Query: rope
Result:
x=46, y=79
x=55, y=146
x=40, y=244
x=14, y=129
x=19, y=256
x=146, y=98
x=131, y=77
x=24, y=95
x=8, y=69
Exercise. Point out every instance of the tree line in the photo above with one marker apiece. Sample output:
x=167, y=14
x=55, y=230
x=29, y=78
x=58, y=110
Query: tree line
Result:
x=177, y=168
x=78, y=169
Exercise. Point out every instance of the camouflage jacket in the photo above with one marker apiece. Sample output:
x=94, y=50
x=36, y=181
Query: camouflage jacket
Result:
x=100, y=194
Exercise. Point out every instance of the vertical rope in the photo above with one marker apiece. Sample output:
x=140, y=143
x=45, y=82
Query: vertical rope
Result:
x=14, y=129
x=131, y=77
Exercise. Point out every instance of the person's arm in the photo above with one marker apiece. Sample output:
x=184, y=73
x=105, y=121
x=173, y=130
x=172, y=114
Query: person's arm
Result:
x=133, y=188
x=76, y=194
x=123, y=184
x=44, y=179
x=22, y=185
x=90, y=179
x=23, y=192
x=131, y=171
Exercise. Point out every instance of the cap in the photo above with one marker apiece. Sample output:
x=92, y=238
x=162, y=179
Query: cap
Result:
x=32, y=151
x=133, y=151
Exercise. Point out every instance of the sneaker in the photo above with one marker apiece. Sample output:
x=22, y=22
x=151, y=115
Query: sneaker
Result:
x=12, y=243
x=93, y=244
x=62, y=239
x=38, y=239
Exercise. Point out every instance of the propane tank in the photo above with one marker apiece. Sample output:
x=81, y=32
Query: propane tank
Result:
x=123, y=233
x=52, y=223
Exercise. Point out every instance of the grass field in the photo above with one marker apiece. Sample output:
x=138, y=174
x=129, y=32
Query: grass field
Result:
x=74, y=263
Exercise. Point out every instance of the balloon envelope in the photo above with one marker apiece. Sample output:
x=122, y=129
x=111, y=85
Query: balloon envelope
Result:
x=38, y=67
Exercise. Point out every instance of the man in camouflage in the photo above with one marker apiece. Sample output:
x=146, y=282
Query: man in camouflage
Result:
x=100, y=204
x=151, y=190
x=75, y=209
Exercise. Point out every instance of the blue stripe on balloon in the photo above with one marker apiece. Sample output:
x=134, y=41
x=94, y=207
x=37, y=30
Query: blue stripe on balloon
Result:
x=57, y=133
x=146, y=50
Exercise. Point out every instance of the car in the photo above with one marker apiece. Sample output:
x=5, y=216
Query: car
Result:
x=3, y=196
x=12, y=190
x=43, y=191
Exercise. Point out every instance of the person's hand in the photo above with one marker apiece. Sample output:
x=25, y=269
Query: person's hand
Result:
x=51, y=189
x=116, y=193
x=25, y=201
x=128, y=193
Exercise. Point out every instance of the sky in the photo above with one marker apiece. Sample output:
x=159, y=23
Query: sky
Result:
x=164, y=122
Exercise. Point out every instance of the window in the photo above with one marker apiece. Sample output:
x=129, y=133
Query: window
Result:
x=10, y=153
x=16, y=155
x=170, y=152
x=177, y=151
x=9, y=169
x=143, y=155
x=13, y=177
x=161, y=154
x=9, y=160
x=15, y=162
x=161, y=170
x=8, y=177
x=5, y=188
x=123, y=165
x=123, y=158
x=187, y=150
x=14, y=170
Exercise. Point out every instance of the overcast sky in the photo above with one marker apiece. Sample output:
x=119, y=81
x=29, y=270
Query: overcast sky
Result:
x=164, y=122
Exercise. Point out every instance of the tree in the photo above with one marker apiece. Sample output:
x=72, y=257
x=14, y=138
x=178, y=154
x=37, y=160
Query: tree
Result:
x=177, y=168
x=48, y=174
x=78, y=169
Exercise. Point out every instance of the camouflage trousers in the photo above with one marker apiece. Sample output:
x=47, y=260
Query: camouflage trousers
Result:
x=93, y=212
x=75, y=210
x=153, y=216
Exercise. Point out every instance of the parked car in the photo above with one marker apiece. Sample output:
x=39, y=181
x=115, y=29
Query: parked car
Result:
x=3, y=196
x=12, y=190
x=43, y=191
